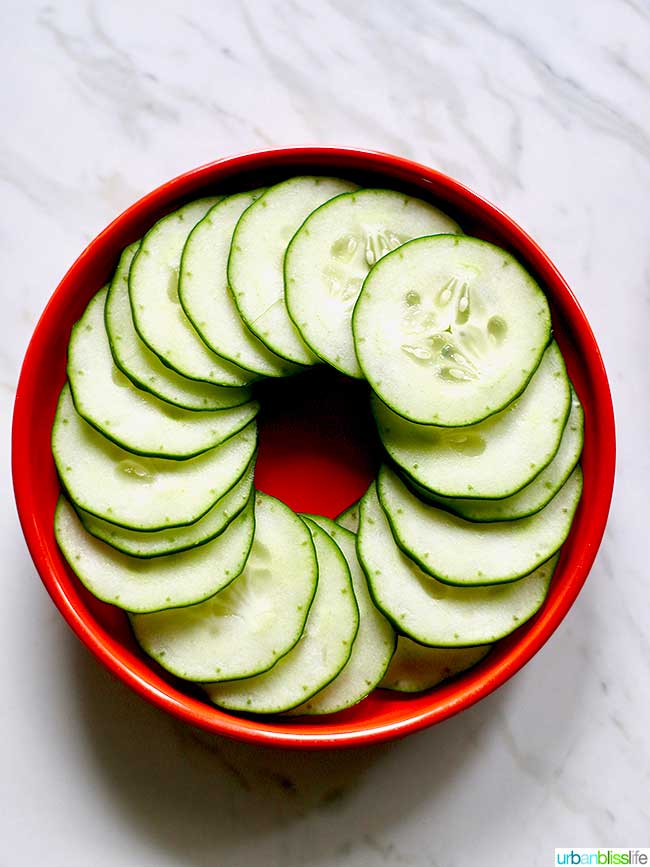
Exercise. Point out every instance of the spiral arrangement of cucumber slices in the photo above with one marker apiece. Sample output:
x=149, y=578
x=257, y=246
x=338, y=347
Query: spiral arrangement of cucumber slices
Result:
x=454, y=544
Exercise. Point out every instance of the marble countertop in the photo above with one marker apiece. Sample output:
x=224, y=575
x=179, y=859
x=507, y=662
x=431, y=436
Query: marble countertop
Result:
x=542, y=107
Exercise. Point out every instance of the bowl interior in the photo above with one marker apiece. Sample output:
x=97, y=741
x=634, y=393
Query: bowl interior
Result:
x=318, y=449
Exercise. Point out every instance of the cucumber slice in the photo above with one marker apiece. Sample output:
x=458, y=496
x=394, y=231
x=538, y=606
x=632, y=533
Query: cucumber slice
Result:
x=535, y=495
x=457, y=319
x=151, y=585
x=255, y=266
x=157, y=314
x=142, y=366
x=247, y=627
x=373, y=647
x=349, y=519
x=138, y=492
x=134, y=419
x=322, y=651
x=143, y=544
x=415, y=667
x=433, y=613
x=205, y=295
x=493, y=458
x=329, y=258
x=461, y=552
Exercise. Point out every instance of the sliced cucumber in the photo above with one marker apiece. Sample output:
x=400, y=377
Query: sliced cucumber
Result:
x=151, y=585
x=255, y=267
x=321, y=653
x=433, y=613
x=493, y=458
x=138, y=492
x=205, y=295
x=157, y=314
x=330, y=256
x=143, y=544
x=132, y=418
x=142, y=366
x=415, y=667
x=458, y=320
x=247, y=627
x=373, y=647
x=535, y=495
x=461, y=552
x=349, y=519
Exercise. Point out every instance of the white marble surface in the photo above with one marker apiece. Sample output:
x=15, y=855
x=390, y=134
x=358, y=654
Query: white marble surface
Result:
x=541, y=106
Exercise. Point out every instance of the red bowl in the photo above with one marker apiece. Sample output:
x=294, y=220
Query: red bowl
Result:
x=314, y=455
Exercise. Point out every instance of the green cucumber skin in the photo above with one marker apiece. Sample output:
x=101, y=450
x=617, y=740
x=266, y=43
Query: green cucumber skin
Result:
x=285, y=368
x=437, y=681
x=419, y=639
x=138, y=380
x=166, y=456
x=285, y=277
x=105, y=432
x=332, y=528
x=186, y=604
x=138, y=252
x=399, y=630
x=494, y=412
x=74, y=504
x=444, y=579
x=349, y=518
x=310, y=523
x=246, y=675
x=183, y=302
x=308, y=358
x=371, y=588
x=110, y=518
x=447, y=503
x=181, y=548
x=245, y=376
x=176, y=673
x=397, y=626
x=313, y=689
x=317, y=352
x=429, y=493
x=465, y=423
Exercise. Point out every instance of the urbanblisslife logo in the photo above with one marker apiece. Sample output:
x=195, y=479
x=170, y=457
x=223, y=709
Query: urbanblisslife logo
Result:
x=602, y=856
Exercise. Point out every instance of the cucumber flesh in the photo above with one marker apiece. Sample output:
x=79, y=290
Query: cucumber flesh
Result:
x=155, y=544
x=457, y=319
x=373, y=647
x=142, y=366
x=415, y=667
x=349, y=519
x=434, y=613
x=255, y=266
x=247, y=627
x=321, y=653
x=461, y=552
x=139, y=585
x=157, y=314
x=537, y=493
x=132, y=418
x=493, y=458
x=205, y=295
x=329, y=258
x=138, y=492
